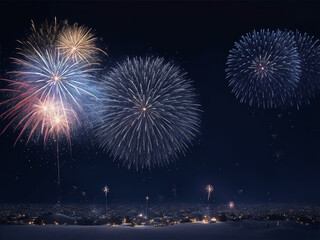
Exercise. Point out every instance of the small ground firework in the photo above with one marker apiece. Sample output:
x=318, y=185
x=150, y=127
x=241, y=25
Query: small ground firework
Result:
x=106, y=190
x=147, y=201
x=263, y=68
x=209, y=189
x=149, y=112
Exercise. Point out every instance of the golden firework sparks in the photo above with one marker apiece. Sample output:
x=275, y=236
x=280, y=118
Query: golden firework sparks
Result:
x=78, y=43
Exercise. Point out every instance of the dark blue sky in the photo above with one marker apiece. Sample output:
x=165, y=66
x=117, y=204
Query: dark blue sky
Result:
x=268, y=154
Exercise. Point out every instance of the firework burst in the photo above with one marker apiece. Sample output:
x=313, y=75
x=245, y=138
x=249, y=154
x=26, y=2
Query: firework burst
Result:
x=263, y=68
x=149, y=113
x=42, y=36
x=52, y=75
x=54, y=118
x=309, y=53
x=79, y=44
x=49, y=88
x=45, y=76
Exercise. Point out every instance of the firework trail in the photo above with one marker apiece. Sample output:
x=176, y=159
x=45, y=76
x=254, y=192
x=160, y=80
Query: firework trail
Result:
x=263, y=68
x=149, y=113
x=309, y=53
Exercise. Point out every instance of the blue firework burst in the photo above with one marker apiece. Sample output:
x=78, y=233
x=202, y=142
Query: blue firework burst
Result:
x=149, y=113
x=45, y=77
x=52, y=76
x=263, y=68
x=309, y=52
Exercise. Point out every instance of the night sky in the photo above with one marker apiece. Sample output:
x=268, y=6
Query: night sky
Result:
x=248, y=155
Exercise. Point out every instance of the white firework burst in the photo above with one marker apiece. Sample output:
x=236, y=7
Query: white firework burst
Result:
x=149, y=114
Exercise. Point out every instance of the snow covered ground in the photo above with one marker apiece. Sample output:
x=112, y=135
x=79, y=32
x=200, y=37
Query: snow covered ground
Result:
x=255, y=230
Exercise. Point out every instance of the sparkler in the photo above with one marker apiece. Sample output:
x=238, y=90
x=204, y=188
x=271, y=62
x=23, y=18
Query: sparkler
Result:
x=106, y=189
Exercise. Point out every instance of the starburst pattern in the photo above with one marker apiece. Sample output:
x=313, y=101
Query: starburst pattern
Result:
x=149, y=112
x=45, y=76
x=263, y=68
x=79, y=44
